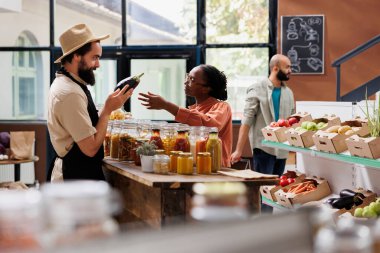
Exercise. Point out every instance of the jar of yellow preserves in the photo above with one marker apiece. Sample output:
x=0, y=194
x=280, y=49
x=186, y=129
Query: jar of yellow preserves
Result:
x=185, y=163
x=204, y=163
x=214, y=147
x=173, y=160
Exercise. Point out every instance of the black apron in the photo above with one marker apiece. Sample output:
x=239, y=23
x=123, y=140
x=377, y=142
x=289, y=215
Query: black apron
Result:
x=77, y=165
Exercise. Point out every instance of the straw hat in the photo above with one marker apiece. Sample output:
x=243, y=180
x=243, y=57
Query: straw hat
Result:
x=76, y=37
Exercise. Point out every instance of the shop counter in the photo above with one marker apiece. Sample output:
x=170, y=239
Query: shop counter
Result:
x=159, y=200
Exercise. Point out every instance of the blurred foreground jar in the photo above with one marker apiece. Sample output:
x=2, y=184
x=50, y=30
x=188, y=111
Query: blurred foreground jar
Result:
x=21, y=220
x=80, y=210
x=349, y=238
x=219, y=201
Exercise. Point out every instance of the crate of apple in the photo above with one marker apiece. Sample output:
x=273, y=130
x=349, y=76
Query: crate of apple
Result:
x=370, y=211
x=284, y=122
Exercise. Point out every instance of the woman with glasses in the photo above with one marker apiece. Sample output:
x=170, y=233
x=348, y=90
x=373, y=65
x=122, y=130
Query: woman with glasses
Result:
x=208, y=86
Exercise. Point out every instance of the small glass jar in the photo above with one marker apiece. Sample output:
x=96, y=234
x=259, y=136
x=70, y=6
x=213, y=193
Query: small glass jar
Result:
x=114, y=150
x=182, y=142
x=21, y=221
x=185, y=163
x=107, y=139
x=156, y=137
x=127, y=141
x=160, y=151
x=204, y=163
x=161, y=164
x=173, y=160
x=168, y=138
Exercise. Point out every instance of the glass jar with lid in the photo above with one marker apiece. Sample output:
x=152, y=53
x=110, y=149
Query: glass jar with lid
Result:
x=137, y=158
x=127, y=141
x=79, y=210
x=168, y=137
x=144, y=128
x=161, y=164
x=156, y=137
x=114, y=149
x=214, y=147
x=185, y=163
x=107, y=139
x=21, y=220
x=204, y=163
x=182, y=142
x=198, y=138
x=173, y=160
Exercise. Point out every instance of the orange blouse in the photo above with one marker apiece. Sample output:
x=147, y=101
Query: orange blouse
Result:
x=211, y=113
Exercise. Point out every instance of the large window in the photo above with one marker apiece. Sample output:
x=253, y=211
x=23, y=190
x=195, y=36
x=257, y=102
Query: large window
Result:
x=164, y=39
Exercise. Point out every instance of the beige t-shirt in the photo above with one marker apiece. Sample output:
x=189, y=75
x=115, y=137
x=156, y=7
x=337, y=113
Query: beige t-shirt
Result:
x=68, y=118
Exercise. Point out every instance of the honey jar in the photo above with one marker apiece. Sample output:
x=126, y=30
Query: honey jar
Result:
x=204, y=163
x=185, y=163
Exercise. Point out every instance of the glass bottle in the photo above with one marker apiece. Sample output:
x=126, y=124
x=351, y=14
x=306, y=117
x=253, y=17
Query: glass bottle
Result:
x=185, y=164
x=204, y=163
x=114, y=151
x=182, y=141
x=107, y=139
x=200, y=144
x=214, y=147
x=156, y=137
x=137, y=159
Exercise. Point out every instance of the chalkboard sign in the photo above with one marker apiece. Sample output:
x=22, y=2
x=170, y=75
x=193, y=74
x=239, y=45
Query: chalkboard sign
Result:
x=302, y=40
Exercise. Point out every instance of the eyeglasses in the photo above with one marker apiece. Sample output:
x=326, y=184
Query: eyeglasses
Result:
x=190, y=79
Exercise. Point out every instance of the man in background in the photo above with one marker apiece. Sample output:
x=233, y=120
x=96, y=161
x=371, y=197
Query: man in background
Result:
x=267, y=100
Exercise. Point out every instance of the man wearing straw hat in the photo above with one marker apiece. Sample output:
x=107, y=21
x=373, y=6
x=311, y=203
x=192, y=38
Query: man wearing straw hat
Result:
x=76, y=128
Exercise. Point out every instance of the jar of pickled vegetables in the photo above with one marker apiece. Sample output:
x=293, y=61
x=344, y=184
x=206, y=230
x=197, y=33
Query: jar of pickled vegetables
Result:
x=168, y=138
x=185, y=164
x=114, y=150
x=107, y=139
x=204, y=163
x=127, y=141
x=214, y=147
x=137, y=159
x=173, y=160
x=182, y=142
x=156, y=138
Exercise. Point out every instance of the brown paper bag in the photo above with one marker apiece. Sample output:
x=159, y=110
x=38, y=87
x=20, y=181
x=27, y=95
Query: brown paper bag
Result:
x=22, y=145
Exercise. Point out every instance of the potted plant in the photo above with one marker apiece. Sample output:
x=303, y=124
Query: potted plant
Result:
x=146, y=152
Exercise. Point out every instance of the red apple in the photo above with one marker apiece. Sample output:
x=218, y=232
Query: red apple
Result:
x=283, y=123
x=292, y=120
x=273, y=124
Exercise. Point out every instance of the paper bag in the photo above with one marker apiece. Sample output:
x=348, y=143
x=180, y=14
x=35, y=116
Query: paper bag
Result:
x=22, y=145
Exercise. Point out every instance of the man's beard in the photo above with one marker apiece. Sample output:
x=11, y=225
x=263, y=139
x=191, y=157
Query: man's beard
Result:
x=282, y=76
x=86, y=74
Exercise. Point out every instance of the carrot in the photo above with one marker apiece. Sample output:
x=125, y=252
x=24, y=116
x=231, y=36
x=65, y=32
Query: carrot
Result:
x=302, y=189
x=297, y=186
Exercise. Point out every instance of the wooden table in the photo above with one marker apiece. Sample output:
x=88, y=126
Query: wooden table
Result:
x=16, y=164
x=166, y=199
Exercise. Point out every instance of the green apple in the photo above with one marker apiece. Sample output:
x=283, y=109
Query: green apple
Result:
x=378, y=200
x=369, y=213
x=375, y=206
x=358, y=212
x=304, y=124
x=311, y=126
x=321, y=125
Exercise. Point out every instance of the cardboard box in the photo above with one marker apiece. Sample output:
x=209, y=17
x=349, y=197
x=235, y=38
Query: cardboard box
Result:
x=301, y=117
x=291, y=199
x=268, y=191
x=300, y=138
x=336, y=143
x=368, y=147
x=276, y=134
x=330, y=142
x=369, y=197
